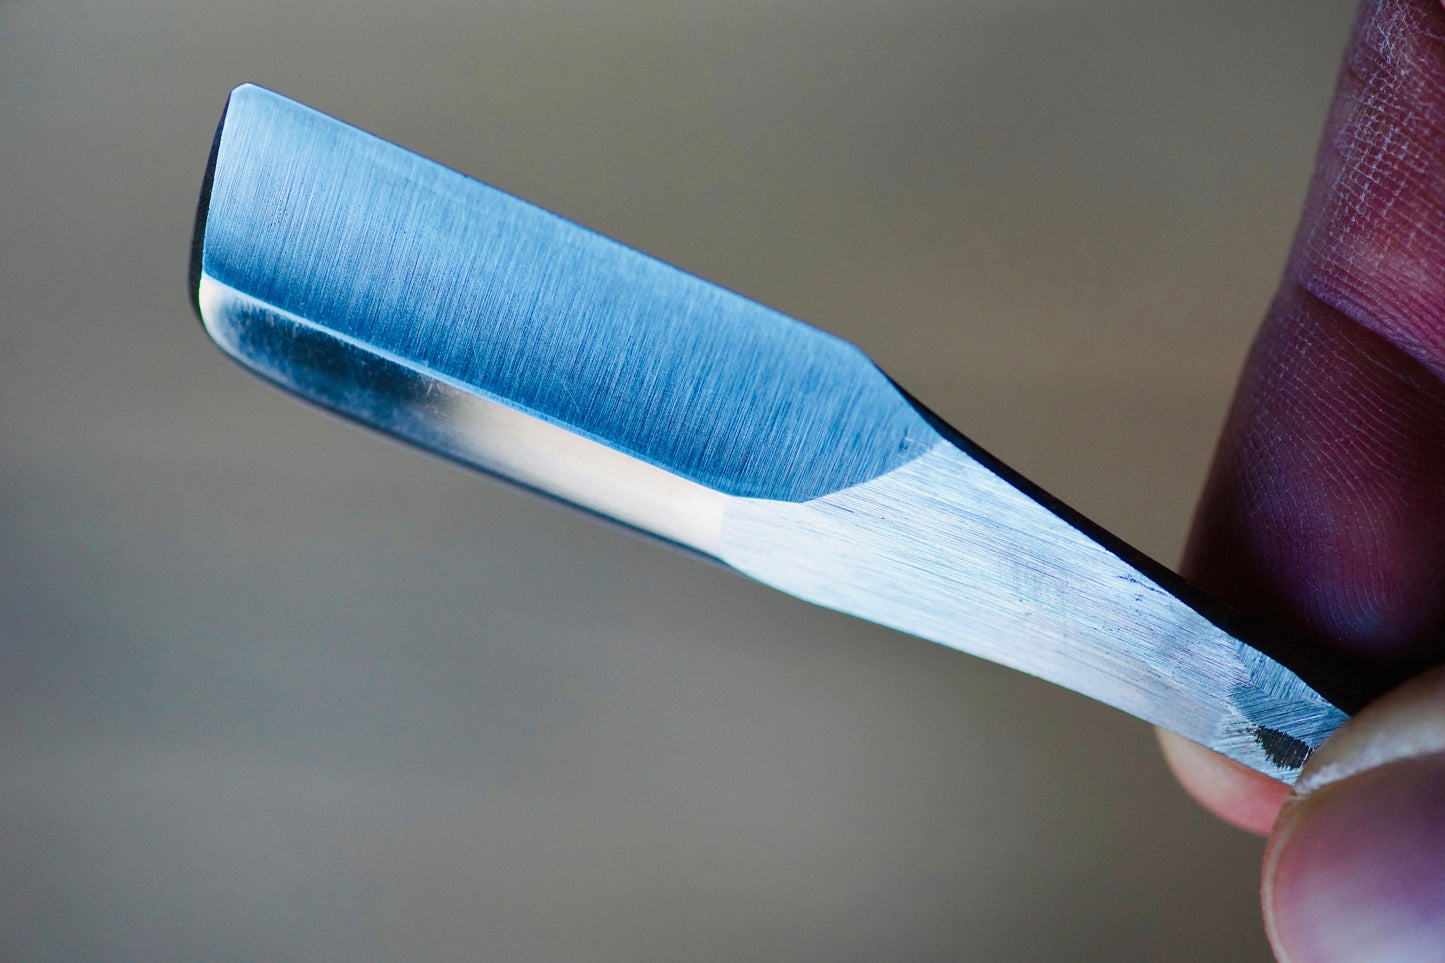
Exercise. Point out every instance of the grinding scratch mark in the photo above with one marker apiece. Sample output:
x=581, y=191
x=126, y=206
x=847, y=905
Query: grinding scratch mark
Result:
x=1282, y=749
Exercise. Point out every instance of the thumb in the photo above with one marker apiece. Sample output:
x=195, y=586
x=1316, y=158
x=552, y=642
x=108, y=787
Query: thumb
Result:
x=1353, y=867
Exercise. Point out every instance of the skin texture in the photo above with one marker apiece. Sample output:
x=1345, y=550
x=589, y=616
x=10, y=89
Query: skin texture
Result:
x=1324, y=512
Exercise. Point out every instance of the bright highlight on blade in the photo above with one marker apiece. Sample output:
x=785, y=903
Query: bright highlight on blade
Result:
x=420, y=405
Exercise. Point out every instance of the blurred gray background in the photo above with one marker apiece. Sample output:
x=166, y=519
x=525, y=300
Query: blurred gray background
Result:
x=272, y=687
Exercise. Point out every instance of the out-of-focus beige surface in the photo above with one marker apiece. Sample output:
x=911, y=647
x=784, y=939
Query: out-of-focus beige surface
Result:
x=276, y=688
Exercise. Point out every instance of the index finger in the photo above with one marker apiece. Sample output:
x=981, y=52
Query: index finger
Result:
x=1323, y=513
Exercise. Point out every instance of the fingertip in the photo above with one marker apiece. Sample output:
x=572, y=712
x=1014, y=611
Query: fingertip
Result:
x=1352, y=868
x=1240, y=796
x=1352, y=872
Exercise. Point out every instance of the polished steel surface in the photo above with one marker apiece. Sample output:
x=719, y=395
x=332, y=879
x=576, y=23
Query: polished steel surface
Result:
x=399, y=396
x=320, y=220
x=428, y=305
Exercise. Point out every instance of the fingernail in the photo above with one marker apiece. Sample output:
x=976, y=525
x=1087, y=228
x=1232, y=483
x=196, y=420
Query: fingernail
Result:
x=1356, y=864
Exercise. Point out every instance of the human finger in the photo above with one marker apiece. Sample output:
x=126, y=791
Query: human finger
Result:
x=1323, y=514
x=1353, y=869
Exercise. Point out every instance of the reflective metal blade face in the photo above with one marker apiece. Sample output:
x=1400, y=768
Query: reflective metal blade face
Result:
x=421, y=302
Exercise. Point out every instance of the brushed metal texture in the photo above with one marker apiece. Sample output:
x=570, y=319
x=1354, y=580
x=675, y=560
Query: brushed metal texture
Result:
x=319, y=219
x=418, y=301
x=945, y=549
